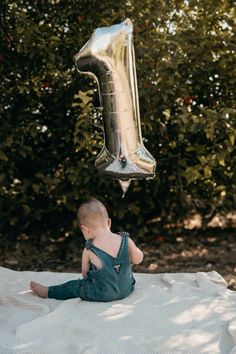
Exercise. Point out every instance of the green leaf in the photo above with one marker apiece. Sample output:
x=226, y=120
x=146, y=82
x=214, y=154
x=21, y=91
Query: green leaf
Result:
x=207, y=172
x=202, y=159
x=232, y=138
x=3, y=156
x=26, y=209
x=2, y=177
x=36, y=188
x=222, y=162
x=192, y=174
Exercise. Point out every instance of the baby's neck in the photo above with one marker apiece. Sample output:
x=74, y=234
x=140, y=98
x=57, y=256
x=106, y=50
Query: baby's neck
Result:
x=101, y=233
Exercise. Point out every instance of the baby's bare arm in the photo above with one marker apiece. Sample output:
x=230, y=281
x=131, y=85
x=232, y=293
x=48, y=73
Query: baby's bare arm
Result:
x=85, y=263
x=136, y=255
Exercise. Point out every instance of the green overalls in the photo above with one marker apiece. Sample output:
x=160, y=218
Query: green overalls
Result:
x=113, y=281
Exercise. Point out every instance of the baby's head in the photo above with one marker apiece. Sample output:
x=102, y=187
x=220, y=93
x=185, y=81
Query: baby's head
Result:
x=92, y=215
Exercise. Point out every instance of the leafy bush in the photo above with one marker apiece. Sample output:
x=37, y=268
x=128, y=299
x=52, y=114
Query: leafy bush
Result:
x=51, y=122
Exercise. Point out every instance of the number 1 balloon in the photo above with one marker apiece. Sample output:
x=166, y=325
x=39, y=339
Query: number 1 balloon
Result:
x=109, y=57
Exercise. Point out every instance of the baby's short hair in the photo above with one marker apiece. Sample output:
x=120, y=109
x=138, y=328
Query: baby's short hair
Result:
x=92, y=213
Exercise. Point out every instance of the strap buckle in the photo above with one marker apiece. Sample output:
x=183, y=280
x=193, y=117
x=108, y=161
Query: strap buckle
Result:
x=117, y=267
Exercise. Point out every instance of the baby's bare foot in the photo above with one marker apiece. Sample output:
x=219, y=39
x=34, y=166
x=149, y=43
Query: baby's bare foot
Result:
x=39, y=289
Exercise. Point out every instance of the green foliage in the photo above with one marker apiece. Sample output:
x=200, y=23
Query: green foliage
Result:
x=51, y=129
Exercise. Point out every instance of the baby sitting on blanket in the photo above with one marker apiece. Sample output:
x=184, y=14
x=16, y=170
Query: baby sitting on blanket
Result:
x=106, y=260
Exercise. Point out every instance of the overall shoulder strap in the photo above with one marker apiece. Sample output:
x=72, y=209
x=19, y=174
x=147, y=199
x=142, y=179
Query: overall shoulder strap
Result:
x=90, y=246
x=123, y=255
x=96, y=250
x=123, y=233
x=124, y=244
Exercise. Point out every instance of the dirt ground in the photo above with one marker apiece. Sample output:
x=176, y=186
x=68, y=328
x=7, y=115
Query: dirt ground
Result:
x=187, y=251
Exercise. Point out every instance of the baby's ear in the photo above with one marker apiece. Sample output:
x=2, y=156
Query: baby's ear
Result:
x=109, y=222
x=84, y=229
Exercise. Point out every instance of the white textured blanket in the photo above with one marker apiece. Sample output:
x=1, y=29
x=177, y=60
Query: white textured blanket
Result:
x=167, y=313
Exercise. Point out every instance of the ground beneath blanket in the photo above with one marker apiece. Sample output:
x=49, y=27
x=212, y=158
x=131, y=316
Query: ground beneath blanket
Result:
x=187, y=251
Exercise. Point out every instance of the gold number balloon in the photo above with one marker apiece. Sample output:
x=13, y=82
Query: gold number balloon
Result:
x=109, y=57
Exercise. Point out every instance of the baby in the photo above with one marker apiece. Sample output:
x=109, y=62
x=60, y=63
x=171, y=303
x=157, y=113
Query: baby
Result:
x=106, y=260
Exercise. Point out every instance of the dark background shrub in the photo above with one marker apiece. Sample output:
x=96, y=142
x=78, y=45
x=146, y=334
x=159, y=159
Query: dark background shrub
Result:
x=50, y=130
